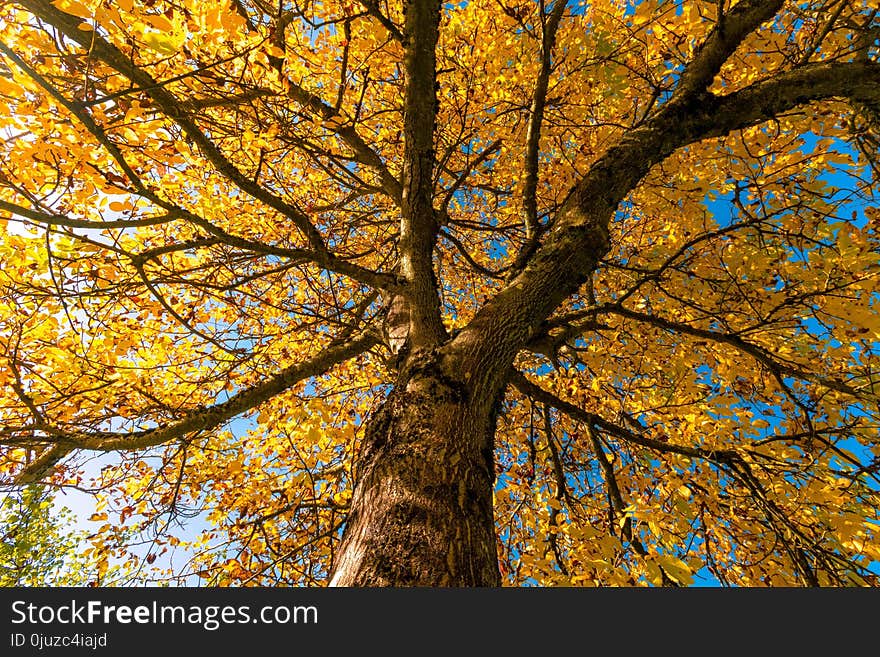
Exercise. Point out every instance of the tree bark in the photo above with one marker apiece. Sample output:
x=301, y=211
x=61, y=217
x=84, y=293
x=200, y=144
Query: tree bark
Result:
x=422, y=509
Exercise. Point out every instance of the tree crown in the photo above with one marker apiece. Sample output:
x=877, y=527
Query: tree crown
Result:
x=227, y=227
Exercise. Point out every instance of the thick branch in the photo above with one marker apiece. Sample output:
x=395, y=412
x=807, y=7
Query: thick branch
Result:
x=200, y=419
x=419, y=225
x=579, y=239
x=319, y=254
x=732, y=28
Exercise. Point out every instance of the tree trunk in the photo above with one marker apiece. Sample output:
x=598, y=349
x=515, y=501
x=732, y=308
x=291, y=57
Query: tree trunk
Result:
x=421, y=511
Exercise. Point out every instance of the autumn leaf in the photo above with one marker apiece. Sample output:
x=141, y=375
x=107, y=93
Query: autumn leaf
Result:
x=593, y=285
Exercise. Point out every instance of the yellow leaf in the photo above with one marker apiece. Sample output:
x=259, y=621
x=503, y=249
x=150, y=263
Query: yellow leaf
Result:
x=160, y=23
x=231, y=21
x=9, y=88
x=73, y=7
x=164, y=44
x=675, y=568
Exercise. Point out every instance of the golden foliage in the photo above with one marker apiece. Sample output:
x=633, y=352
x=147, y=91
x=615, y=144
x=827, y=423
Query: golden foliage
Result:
x=171, y=174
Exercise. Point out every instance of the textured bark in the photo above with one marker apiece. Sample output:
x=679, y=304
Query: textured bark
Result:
x=418, y=221
x=422, y=512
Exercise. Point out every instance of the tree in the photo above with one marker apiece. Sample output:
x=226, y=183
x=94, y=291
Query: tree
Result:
x=37, y=546
x=451, y=294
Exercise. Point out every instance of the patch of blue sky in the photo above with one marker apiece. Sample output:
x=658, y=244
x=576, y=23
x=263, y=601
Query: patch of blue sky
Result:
x=846, y=194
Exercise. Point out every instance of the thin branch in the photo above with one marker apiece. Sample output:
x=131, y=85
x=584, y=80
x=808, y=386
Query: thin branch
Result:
x=70, y=26
x=373, y=10
x=484, y=155
x=536, y=392
x=758, y=353
x=344, y=128
x=64, y=221
x=536, y=118
x=820, y=37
